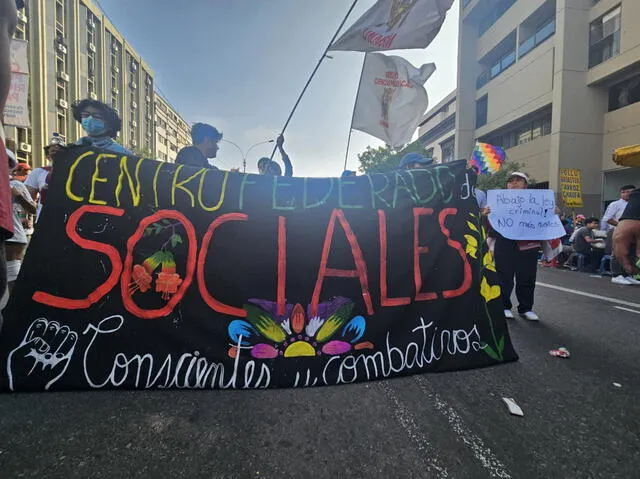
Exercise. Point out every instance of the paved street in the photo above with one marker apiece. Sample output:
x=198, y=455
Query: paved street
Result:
x=577, y=424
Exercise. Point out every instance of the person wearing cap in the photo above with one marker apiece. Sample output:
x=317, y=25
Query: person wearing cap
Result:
x=38, y=179
x=266, y=166
x=414, y=161
x=517, y=259
x=17, y=244
x=21, y=171
x=101, y=123
x=205, y=139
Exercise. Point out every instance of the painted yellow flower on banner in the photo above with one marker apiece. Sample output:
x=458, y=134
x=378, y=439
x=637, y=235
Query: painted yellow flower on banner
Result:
x=489, y=292
x=488, y=262
x=472, y=246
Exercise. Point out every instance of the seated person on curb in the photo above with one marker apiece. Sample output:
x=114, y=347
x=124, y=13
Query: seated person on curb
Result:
x=585, y=240
x=205, y=140
x=268, y=167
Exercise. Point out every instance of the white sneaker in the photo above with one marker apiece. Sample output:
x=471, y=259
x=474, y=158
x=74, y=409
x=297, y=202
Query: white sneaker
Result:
x=508, y=314
x=621, y=280
x=531, y=316
x=632, y=280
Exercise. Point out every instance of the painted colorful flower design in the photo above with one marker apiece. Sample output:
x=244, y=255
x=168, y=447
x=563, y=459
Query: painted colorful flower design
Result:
x=332, y=331
x=476, y=240
x=167, y=280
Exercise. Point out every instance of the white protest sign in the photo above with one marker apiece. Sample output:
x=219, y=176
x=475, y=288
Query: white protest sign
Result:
x=525, y=214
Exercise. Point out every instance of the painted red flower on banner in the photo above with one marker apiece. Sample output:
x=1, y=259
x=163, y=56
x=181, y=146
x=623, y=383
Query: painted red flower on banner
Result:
x=332, y=331
x=168, y=280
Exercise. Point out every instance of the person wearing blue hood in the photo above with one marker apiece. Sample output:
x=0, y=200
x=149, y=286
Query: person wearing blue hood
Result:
x=101, y=123
x=414, y=161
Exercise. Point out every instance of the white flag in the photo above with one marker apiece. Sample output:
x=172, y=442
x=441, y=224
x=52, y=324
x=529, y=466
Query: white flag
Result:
x=395, y=24
x=391, y=98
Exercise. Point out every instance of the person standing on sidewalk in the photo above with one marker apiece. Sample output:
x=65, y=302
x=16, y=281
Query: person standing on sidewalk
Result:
x=517, y=259
x=609, y=223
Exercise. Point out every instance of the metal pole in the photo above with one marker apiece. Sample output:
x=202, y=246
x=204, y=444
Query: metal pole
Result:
x=324, y=54
x=244, y=160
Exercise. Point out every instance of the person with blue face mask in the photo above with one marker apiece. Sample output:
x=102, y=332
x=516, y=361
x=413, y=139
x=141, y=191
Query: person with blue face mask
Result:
x=101, y=123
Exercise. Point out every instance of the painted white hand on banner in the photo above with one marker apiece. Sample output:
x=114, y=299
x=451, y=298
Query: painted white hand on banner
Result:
x=43, y=356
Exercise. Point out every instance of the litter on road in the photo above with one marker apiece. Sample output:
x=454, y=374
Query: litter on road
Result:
x=560, y=353
x=513, y=407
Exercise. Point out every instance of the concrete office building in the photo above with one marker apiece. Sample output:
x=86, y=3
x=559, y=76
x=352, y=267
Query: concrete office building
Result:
x=555, y=82
x=437, y=130
x=172, y=131
x=76, y=53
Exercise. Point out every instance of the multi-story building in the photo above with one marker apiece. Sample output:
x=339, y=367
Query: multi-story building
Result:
x=556, y=83
x=437, y=130
x=75, y=52
x=172, y=131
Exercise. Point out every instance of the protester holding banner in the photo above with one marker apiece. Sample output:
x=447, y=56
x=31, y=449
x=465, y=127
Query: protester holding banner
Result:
x=268, y=167
x=414, y=161
x=101, y=123
x=205, y=140
x=517, y=259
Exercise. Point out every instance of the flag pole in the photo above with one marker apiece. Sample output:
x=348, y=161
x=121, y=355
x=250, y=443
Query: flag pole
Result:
x=353, y=114
x=315, y=70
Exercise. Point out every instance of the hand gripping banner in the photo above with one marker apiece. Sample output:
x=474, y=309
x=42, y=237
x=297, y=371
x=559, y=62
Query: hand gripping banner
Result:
x=146, y=275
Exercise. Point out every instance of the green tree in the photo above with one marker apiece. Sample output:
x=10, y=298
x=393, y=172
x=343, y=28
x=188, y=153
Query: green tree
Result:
x=498, y=181
x=385, y=158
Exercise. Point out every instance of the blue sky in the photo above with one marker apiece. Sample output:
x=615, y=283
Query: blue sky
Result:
x=241, y=64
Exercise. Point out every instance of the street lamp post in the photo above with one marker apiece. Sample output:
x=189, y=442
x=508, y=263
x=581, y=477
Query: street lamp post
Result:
x=244, y=155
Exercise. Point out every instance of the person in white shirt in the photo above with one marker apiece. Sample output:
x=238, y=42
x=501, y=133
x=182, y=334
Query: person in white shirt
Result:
x=614, y=210
x=609, y=222
x=37, y=181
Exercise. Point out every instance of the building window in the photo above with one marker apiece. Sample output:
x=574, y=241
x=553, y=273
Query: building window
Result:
x=624, y=94
x=60, y=17
x=522, y=131
x=448, y=150
x=604, y=37
x=61, y=89
x=61, y=64
x=499, y=59
x=541, y=34
x=61, y=124
x=481, y=111
x=494, y=15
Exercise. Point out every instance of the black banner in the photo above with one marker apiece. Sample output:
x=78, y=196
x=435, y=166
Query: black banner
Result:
x=144, y=275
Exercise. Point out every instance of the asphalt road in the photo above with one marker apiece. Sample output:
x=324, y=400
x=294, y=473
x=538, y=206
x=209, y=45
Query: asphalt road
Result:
x=576, y=423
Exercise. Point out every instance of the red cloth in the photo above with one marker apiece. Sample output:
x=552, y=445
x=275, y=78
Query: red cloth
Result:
x=6, y=207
